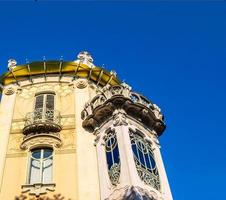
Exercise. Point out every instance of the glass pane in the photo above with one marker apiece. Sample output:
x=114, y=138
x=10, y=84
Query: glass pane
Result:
x=144, y=160
x=141, y=156
x=147, y=160
x=50, y=102
x=47, y=153
x=109, y=160
x=113, y=159
x=36, y=154
x=116, y=154
x=39, y=101
x=47, y=170
x=153, y=164
x=34, y=176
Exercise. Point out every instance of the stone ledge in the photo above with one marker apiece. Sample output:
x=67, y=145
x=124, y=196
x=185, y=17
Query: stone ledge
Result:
x=38, y=189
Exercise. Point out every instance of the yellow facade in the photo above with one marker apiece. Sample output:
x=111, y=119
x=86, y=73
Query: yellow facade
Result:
x=70, y=128
x=70, y=160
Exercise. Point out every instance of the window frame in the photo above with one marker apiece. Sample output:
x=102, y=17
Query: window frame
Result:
x=44, y=110
x=143, y=166
x=44, y=99
x=41, y=160
x=113, y=180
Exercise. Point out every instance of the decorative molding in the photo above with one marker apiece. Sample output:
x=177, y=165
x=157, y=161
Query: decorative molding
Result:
x=119, y=97
x=65, y=151
x=16, y=155
x=119, y=117
x=97, y=134
x=68, y=139
x=157, y=112
x=27, y=197
x=132, y=193
x=9, y=91
x=49, y=139
x=81, y=83
x=38, y=189
x=61, y=89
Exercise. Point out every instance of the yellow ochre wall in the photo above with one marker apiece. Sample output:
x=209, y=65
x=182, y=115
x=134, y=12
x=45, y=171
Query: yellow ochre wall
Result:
x=75, y=170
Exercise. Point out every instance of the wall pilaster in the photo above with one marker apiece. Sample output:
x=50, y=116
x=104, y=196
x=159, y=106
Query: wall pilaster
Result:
x=86, y=159
x=6, y=115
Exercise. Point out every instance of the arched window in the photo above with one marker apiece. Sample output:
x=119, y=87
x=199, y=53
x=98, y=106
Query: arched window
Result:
x=144, y=160
x=44, y=106
x=112, y=155
x=40, y=166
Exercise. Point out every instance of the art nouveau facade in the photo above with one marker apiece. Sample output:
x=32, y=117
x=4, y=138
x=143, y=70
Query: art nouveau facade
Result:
x=74, y=128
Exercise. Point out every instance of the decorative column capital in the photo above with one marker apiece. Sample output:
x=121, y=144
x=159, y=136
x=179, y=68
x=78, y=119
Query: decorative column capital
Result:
x=119, y=118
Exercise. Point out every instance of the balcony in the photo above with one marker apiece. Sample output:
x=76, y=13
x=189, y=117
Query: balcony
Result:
x=40, y=121
x=121, y=97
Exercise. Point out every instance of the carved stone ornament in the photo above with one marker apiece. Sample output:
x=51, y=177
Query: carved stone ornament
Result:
x=38, y=189
x=62, y=89
x=157, y=112
x=50, y=139
x=133, y=193
x=9, y=91
x=80, y=83
x=118, y=97
x=97, y=134
x=119, y=117
x=45, y=197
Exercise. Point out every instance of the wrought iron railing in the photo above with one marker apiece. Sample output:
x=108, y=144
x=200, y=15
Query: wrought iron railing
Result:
x=41, y=120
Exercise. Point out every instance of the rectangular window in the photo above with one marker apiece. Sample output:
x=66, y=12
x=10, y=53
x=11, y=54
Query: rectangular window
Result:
x=44, y=107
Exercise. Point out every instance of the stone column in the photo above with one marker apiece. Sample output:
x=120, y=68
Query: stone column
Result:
x=162, y=173
x=129, y=174
x=6, y=115
x=102, y=166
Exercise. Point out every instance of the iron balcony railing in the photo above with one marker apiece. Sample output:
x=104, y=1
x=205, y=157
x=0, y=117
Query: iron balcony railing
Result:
x=42, y=121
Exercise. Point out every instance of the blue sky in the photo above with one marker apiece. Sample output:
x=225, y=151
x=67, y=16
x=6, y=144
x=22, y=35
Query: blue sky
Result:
x=172, y=52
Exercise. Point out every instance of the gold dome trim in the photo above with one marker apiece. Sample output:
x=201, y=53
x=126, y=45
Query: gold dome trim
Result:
x=60, y=68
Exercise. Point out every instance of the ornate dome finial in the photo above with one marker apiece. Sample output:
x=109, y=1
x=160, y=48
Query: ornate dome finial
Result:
x=11, y=64
x=85, y=57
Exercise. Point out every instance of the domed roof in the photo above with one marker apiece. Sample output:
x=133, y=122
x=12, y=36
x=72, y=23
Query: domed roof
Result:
x=60, y=68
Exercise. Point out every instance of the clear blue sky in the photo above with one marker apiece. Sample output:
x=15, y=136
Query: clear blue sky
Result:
x=174, y=53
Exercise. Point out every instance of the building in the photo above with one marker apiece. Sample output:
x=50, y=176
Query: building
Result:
x=73, y=128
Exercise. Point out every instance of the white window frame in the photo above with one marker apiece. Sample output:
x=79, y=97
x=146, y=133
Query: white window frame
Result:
x=45, y=98
x=41, y=160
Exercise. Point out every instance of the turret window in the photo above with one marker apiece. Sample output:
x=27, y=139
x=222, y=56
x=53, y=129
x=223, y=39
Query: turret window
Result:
x=40, y=166
x=112, y=155
x=144, y=160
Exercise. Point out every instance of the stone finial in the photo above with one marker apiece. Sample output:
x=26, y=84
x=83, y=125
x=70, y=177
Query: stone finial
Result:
x=113, y=72
x=85, y=57
x=11, y=64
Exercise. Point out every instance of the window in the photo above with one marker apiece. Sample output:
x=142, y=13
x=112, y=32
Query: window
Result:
x=144, y=160
x=44, y=107
x=40, y=166
x=112, y=155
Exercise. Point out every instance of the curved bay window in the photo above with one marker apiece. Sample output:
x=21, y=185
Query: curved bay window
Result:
x=112, y=155
x=40, y=166
x=144, y=160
